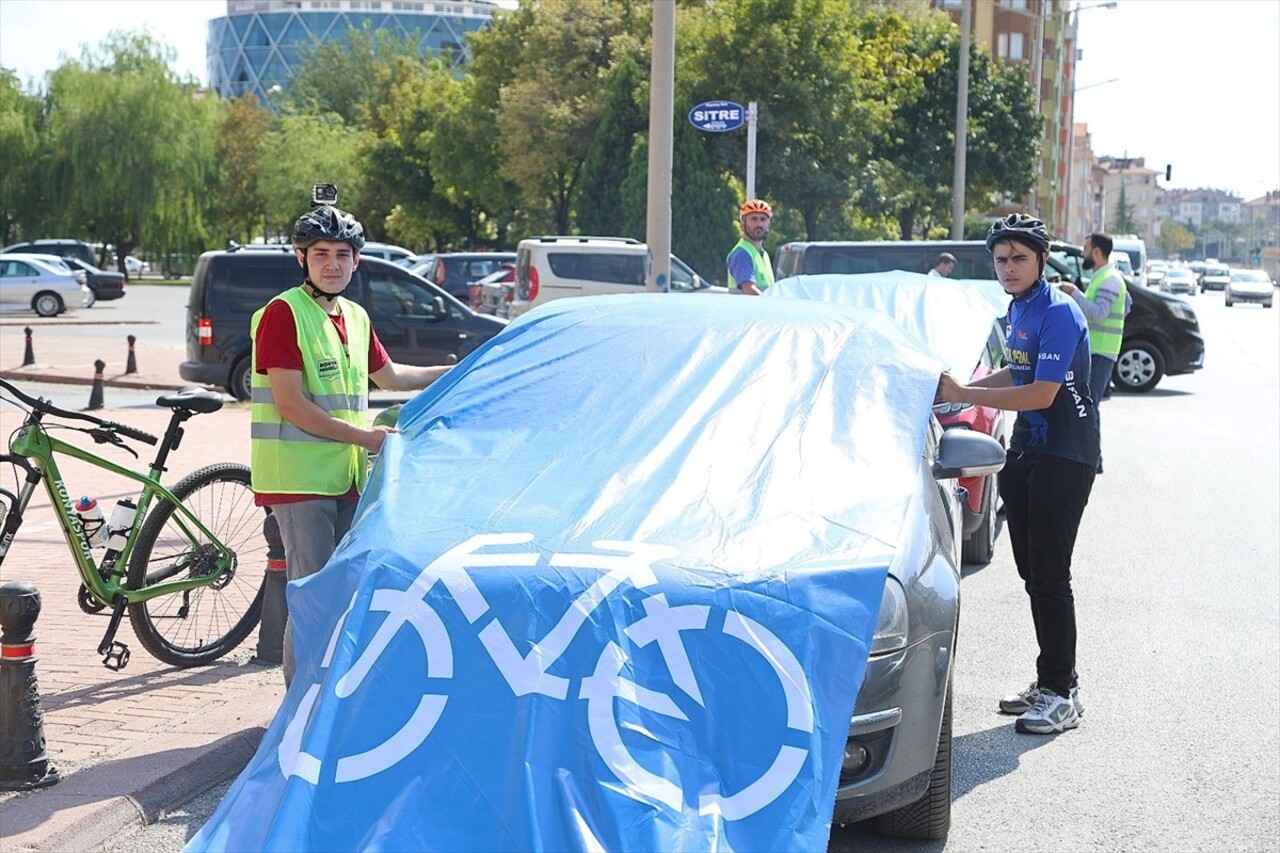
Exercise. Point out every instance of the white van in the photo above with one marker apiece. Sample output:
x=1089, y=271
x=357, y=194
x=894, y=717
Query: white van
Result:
x=550, y=268
x=1136, y=249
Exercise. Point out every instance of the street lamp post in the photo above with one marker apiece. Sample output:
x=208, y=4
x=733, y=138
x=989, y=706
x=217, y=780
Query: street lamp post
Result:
x=1071, y=150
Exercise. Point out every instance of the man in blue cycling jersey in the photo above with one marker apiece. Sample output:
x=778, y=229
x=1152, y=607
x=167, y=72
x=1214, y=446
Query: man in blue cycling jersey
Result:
x=1053, y=456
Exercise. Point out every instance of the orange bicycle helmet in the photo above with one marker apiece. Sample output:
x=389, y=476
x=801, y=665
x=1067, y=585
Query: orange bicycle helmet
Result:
x=756, y=205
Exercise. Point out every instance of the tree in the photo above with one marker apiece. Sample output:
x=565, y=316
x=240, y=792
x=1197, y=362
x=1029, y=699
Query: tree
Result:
x=320, y=150
x=1174, y=238
x=19, y=151
x=341, y=75
x=915, y=148
x=599, y=204
x=546, y=105
x=238, y=208
x=802, y=62
x=1122, y=217
x=129, y=148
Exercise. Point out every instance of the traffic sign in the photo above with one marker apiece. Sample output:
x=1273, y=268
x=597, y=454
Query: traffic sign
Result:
x=718, y=116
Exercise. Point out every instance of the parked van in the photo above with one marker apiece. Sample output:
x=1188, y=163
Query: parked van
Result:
x=1136, y=249
x=1161, y=333
x=416, y=321
x=62, y=248
x=550, y=268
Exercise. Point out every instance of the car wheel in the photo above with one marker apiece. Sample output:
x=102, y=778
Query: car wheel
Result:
x=1139, y=367
x=241, y=384
x=1229, y=302
x=981, y=544
x=91, y=299
x=47, y=304
x=930, y=816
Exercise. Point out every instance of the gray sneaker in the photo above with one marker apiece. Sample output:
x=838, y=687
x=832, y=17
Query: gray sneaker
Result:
x=1051, y=714
x=1020, y=703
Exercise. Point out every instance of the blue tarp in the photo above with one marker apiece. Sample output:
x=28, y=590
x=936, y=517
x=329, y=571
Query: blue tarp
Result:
x=611, y=588
x=952, y=317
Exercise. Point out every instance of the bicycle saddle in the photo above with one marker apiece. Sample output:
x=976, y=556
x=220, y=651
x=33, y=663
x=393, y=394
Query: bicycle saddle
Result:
x=192, y=399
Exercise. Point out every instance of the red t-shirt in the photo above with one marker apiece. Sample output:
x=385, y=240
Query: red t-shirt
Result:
x=277, y=346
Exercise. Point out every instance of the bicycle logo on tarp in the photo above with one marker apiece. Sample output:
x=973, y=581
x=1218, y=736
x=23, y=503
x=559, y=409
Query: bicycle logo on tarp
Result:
x=662, y=624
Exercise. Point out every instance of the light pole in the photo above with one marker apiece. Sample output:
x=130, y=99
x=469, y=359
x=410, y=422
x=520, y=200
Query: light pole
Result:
x=962, y=124
x=1071, y=150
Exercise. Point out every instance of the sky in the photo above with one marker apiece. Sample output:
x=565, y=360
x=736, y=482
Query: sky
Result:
x=1196, y=82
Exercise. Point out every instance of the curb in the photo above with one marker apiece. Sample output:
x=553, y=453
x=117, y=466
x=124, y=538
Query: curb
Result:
x=89, y=807
x=114, y=382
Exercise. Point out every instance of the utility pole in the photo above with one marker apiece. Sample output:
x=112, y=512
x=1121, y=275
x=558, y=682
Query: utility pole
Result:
x=962, y=124
x=661, y=104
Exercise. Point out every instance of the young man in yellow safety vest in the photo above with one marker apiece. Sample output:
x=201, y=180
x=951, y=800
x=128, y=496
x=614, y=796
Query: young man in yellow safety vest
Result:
x=1104, y=304
x=314, y=353
x=750, y=270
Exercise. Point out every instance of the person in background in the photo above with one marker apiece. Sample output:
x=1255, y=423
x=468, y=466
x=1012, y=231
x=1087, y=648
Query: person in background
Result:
x=750, y=270
x=1053, y=457
x=314, y=352
x=1104, y=304
x=943, y=266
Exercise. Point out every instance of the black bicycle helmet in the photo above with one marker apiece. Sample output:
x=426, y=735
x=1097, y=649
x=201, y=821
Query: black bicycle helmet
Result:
x=1022, y=227
x=327, y=223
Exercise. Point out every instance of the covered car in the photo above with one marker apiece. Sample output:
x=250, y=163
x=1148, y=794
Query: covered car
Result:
x=959, y=320
x=613, y=585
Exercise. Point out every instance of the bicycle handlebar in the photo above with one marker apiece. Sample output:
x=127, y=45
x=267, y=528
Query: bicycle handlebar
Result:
x=46, y=407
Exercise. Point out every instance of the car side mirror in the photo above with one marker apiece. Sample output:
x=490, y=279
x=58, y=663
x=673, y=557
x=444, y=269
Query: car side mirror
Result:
x=439, y=312
x=964, y=453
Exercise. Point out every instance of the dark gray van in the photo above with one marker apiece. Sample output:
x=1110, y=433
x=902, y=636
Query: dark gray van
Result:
x=416, y=321
x=1161, y=334
x=62, y=248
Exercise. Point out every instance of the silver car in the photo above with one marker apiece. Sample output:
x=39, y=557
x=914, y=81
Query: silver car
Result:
x=1249, y=286
x=1178, y=280
x=43, y=284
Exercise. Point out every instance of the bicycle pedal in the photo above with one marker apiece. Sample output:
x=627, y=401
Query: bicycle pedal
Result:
x=116, y=658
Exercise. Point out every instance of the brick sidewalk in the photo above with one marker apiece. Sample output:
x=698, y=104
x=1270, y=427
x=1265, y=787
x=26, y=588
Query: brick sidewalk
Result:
x=126, y=743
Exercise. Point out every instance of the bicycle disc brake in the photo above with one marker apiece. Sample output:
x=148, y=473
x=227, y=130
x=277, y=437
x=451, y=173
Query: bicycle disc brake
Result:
x=204, y=562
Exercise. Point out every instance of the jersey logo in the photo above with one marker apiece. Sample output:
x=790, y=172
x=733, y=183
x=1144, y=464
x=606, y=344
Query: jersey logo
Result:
x=328, y=369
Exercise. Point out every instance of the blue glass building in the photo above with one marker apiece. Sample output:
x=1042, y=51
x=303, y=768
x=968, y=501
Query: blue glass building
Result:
x=258, y=44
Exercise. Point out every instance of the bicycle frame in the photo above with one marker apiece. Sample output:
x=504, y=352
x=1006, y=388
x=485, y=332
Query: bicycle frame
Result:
x=104, y=581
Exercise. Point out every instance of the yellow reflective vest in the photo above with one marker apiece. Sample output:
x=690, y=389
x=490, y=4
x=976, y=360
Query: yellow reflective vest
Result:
x=759, y=262
x=285, y=459
x=1105, y=335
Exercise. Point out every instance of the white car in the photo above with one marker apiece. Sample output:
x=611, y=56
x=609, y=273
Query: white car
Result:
x=386, y=251
x=134, y=266
x=43, y=284
x=1249, y=286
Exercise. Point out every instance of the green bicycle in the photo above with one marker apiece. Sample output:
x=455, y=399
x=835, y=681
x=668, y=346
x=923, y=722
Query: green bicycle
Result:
x=191, y=576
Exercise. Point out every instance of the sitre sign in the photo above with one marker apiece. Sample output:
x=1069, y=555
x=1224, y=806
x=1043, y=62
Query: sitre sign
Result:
x=717, y=116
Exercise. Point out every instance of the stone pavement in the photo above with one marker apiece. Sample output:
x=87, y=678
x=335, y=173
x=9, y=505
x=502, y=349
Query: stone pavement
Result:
x=128, y=744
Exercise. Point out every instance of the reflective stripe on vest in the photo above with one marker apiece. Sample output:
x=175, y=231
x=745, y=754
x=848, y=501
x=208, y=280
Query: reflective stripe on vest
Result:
x=760, y=265
x=286, y=459
x=1106, y=335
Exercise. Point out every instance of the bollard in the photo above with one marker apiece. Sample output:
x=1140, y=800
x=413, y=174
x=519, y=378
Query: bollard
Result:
x=271, y=631
x=131, y=364
x=24, y=764
x=95, y=394
x=28, y=355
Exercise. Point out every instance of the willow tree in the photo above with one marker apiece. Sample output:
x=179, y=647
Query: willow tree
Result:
x=129, y=155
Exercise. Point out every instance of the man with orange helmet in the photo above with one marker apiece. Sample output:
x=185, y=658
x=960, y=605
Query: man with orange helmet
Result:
x=750, y=270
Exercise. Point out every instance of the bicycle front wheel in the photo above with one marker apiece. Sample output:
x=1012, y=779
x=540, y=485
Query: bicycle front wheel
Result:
x=201, y=625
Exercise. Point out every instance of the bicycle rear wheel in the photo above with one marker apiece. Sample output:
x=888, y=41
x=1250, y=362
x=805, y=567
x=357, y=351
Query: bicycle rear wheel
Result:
x=202, y=624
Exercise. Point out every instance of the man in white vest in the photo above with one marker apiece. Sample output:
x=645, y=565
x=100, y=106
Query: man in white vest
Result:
x=314, y=352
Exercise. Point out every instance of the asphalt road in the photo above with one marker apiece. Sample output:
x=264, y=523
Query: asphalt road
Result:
x=1177, y=582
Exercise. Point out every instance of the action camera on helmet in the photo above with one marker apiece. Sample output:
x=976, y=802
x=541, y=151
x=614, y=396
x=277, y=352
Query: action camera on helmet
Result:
x=324, y=194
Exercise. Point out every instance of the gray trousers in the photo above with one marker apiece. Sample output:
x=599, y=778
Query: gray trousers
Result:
x=1100, y=368
x=311, y=530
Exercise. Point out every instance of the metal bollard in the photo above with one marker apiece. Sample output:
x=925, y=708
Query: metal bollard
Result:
x=24, y=764
x=271, y=630
x=131, y=364
x=28, y=354
x=95, y=393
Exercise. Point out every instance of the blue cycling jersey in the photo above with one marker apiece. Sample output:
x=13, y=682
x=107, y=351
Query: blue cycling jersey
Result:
x=1048, y=339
